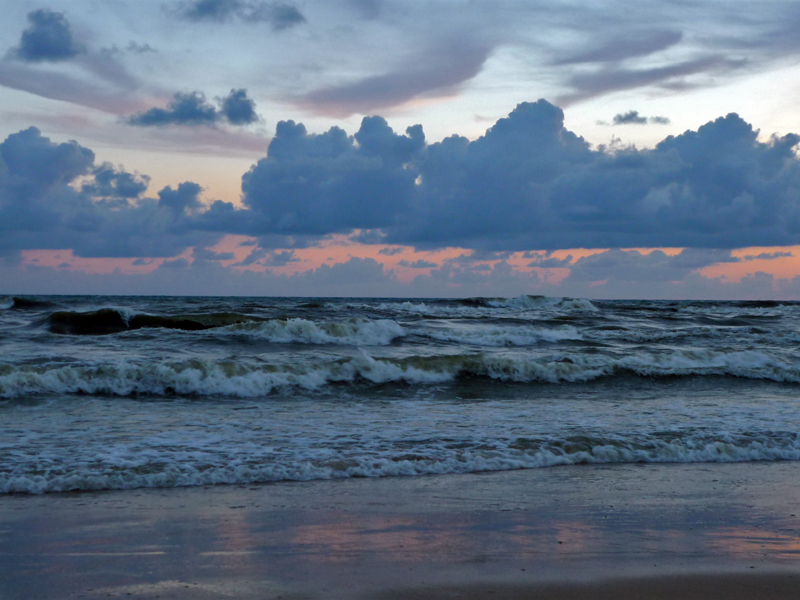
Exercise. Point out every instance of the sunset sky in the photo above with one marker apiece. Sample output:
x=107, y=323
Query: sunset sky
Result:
x=400, y=148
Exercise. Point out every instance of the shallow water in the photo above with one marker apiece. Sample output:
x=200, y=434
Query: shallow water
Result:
x=118, y=393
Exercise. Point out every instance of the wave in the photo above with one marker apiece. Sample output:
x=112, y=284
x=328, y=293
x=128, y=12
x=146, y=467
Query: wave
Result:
x=479, y=306
x=505, y=336
x=164, y=467
x=239, y=379
x=22, y=303
x=115, y=320
x=526, y=302
x=357, y=332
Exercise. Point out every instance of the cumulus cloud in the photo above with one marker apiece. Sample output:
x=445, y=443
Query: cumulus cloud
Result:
x=97, y=79
x=278, y=14
x=528, y=183
x=41, y=208
x=47, y=38
x=192, y=109
x=111, y=182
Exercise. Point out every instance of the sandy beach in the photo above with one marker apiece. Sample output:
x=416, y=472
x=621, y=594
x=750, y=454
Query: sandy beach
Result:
x=621, y=531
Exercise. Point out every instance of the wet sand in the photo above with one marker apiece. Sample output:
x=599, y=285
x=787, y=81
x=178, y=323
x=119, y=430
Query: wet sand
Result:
x=623, y=531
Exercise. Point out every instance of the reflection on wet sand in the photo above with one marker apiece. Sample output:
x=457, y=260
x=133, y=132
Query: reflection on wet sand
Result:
x=556, y=525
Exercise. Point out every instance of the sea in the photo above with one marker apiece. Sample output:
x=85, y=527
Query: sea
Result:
x=123, y=393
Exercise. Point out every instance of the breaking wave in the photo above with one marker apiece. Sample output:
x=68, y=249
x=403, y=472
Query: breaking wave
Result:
x=171, y=466
x=358, y=332
x=115, y=320
x=253, y=379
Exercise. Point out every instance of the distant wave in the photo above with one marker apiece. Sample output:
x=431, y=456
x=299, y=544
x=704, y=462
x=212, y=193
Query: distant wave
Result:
x=241, y=379
x=357, y=331
x=22, y=303
x=206, y=465
x=114, y=320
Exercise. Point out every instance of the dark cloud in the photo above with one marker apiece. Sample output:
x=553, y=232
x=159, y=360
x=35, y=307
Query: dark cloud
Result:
x=632, y=265
x=278, y=14
x=238, y=109
x=192, y=109
x=42, y=208
x=632, y=117
x=418, y=264
x=185, y=197
x=528, y=183
x=47, y=38
x=178, y=263
x=206, y=254
x=183, y=109
x=313, y=185
x=256, y=254
x=110, y=182
x=630, y=45
x=281, y=259
x=391, y=251
x=438, y=71
x=550, y=262
x=768, y=256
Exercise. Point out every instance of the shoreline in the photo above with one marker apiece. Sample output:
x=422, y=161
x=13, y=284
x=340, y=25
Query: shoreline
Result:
x=566, y=532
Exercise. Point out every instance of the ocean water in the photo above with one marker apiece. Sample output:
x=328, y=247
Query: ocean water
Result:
x=130, y=392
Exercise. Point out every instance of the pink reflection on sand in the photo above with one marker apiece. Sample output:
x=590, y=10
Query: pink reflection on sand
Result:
x=755, y=541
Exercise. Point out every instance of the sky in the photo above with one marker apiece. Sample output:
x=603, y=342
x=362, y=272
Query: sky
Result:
x=401, y=148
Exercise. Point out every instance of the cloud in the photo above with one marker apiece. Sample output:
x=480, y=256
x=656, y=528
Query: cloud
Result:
x=47, y=38
x=391, y=251
x=418, y=264
x=185, y=197
x=631, y=45
x=41, y=207
x=632, y=117
x=313, y=185
x=192, y=109
x=628, y=266
x=95, y=79
x=238, y=109
x=768, y=256
x=550, y=262
x=278, y=14
x=281, y=259
x=438, y=71
x=110, y=182
x=206, y=254
x=613, y=78
x=527, y=184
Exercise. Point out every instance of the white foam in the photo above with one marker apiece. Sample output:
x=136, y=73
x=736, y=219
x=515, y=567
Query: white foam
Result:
x=128, y=467
x=360, y=332
x=6, y=303
x=505, y=336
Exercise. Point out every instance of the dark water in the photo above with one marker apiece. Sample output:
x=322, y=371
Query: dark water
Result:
x=114, y=393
